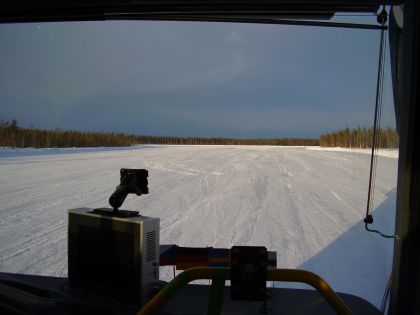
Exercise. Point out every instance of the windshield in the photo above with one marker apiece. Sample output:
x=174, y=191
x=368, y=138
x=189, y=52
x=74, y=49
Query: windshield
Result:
x=252, y=135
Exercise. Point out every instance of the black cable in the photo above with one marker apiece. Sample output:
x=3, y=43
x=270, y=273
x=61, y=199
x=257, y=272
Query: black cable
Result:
x=378, y=122
x=380, y=233
x=375, y=125
x=382, y=18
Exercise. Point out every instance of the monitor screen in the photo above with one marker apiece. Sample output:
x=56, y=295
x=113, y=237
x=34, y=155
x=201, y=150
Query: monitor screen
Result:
x=103, y=260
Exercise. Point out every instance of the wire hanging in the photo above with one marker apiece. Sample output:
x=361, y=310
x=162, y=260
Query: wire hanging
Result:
x=382, y=18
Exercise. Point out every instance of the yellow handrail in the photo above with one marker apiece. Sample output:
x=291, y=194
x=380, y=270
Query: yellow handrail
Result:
x=315, y=281
x=288, y=275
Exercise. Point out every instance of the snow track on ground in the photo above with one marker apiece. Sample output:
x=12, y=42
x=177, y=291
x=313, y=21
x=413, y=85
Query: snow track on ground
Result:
x=307, y=205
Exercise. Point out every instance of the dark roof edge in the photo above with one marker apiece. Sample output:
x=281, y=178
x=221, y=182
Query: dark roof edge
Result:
x=76, y=10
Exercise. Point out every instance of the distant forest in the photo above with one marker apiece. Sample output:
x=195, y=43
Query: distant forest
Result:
x=11, y=135
x=360, y=138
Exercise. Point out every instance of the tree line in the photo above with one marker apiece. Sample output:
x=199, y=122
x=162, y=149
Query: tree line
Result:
x=11, y=135
x=360, y=138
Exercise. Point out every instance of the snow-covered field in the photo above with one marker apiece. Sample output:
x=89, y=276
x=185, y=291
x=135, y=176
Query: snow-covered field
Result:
x=380, y=152
x=305, y=204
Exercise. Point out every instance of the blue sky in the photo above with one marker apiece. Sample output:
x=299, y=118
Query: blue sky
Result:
x=190, y=79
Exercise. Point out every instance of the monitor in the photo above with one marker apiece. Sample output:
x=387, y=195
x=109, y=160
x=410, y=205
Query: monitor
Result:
x=115, y=258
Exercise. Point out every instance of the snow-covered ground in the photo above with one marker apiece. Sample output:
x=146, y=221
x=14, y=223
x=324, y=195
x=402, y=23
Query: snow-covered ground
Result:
x=305, y=204
x=380, y=152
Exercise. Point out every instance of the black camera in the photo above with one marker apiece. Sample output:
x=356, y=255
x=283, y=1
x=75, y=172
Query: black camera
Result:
x=132, y=181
